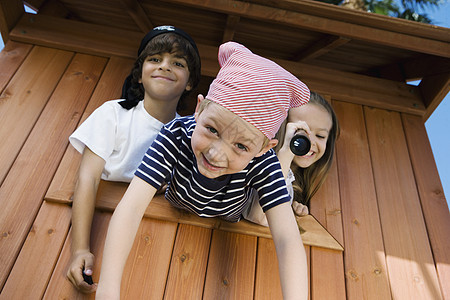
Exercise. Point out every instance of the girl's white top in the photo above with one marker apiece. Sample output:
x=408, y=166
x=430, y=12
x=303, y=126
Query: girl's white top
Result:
x=254, y=213
x=119, y=136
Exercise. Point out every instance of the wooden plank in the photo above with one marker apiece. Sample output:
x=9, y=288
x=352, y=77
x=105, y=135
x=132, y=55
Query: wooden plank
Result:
x=326, y=205
x=37, y=259
x=26, y=96
x=434, y=88
x=61, y=288
x=432, y=198
x=327, y=270
x=11, y=57
x=110, y=193
x=364, y=258
x=188, y=266
x=23, y=189
x=267, y=279
x=231, y=266
x=327, y=267
x=102, y=40
x=108, y=88
x=411, y=268
x=147, y=266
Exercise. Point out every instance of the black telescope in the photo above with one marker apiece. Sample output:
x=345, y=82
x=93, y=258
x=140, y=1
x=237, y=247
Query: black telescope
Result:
x=300, y=144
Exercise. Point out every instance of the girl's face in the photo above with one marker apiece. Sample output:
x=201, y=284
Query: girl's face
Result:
x=320, y=123
x=165, y=76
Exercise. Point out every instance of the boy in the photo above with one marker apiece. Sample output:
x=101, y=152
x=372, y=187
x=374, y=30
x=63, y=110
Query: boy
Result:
x=212, y=160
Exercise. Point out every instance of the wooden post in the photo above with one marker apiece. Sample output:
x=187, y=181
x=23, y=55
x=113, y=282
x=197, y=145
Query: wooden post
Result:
x=10, y=13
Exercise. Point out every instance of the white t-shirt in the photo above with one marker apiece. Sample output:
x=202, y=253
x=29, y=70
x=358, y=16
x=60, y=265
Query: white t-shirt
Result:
x=119, y=136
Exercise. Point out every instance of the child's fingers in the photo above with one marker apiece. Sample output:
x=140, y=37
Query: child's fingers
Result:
x=88, y=264
x=300, y=209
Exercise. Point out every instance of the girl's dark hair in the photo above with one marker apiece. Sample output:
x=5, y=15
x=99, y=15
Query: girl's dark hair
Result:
x=162, y=43
x=309, y=180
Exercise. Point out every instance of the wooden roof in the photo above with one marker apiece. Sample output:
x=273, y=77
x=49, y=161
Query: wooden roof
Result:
x=382, y=201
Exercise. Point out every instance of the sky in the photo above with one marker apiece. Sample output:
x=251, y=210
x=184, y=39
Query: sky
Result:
x=437, y=123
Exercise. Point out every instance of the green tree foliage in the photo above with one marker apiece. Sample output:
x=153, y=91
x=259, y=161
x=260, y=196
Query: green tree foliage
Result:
x=405, y=9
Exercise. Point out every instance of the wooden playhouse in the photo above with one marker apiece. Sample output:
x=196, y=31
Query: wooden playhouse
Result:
x=379, y=228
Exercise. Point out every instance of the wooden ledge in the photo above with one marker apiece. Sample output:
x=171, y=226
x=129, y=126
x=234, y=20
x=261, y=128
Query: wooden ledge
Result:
x=110, y=193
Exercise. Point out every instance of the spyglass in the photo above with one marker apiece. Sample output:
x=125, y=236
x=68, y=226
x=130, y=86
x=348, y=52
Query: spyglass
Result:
x=300, y=144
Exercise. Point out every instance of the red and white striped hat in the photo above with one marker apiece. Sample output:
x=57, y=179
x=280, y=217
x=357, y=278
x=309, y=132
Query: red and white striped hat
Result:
x=255, y=88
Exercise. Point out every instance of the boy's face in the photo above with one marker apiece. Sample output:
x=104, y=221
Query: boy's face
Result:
x=165, y=76
x=224, y=143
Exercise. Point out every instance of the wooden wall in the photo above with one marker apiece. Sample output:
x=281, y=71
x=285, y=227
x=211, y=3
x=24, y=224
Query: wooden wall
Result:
x=383, y=201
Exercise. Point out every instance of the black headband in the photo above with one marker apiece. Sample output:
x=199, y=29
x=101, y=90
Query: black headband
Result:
x=130, y=100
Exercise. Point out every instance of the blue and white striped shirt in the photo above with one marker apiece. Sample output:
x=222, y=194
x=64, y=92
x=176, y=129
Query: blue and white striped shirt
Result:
x=170, y=159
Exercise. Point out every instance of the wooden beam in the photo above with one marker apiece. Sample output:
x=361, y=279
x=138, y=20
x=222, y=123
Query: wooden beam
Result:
x=321, y=47
x=351, y=16
x=110, y=193
x=105, y=41
x=76, y=36
x=383, y=36
x=230, y=28
x=138, y=14
x=413, y=69
x=10, y=13
x=434, y=89
x=34, y=4
x=420, y=66
x=57, y=9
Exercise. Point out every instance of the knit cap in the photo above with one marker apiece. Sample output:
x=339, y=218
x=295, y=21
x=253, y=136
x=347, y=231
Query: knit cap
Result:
x=255, y=88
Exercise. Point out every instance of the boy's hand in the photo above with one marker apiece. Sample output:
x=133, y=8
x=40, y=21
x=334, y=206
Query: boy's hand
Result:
x=82, y=260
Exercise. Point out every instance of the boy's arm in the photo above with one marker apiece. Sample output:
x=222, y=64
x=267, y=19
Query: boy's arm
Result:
x=291, y=254
x=83, y=207
x=120, y=237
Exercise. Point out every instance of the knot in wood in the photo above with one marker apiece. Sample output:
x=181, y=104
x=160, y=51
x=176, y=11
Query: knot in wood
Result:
x=353, y=275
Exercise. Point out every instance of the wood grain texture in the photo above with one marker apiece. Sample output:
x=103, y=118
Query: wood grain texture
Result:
x=35, y=264
x=267, y=280
x=432, y=198
x=364, y=257
x=189, y=260
x=59, y=286
x=147, y=266
x=327, y=267
x=411, y=268
x=11, y=57
x=24, y=188
x=26, y=96
x=231, y=266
